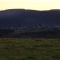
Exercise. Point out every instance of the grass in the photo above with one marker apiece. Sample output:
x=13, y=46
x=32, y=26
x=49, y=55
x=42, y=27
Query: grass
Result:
x=29, y=49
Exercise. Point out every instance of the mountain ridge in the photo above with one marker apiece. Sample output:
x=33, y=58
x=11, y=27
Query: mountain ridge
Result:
x=22, y=18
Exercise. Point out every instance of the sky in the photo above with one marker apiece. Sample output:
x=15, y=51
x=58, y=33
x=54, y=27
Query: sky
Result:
x=30, y=4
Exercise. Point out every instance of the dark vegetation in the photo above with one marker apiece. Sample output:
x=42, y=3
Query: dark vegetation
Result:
x=5, y=32
x=24, y=33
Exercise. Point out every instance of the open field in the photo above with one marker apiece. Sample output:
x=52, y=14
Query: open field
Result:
x=29, y=49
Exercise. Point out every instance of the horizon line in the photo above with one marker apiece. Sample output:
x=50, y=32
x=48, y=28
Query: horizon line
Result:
x=28, y=9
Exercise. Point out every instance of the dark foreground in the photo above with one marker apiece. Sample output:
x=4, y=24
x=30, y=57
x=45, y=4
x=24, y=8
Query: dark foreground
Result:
x=29, y=49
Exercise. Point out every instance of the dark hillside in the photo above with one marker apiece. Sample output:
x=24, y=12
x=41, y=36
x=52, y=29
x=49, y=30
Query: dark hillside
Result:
x=22, y=18
x=29, y=23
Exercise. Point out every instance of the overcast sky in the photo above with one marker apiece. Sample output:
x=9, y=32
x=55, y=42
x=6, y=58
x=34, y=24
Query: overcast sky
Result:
x=30, y=4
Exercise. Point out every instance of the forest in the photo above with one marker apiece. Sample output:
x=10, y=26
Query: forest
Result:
x=30, y=32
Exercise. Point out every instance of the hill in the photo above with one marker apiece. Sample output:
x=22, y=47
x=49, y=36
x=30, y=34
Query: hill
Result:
x=29, y=23
x=27, y=18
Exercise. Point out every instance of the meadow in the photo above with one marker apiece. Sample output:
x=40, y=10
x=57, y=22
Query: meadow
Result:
x=29, y=49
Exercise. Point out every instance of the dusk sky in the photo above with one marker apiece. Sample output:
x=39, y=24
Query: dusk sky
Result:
x=30, y=4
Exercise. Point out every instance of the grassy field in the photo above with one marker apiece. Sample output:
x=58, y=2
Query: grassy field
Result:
x=29, y=49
